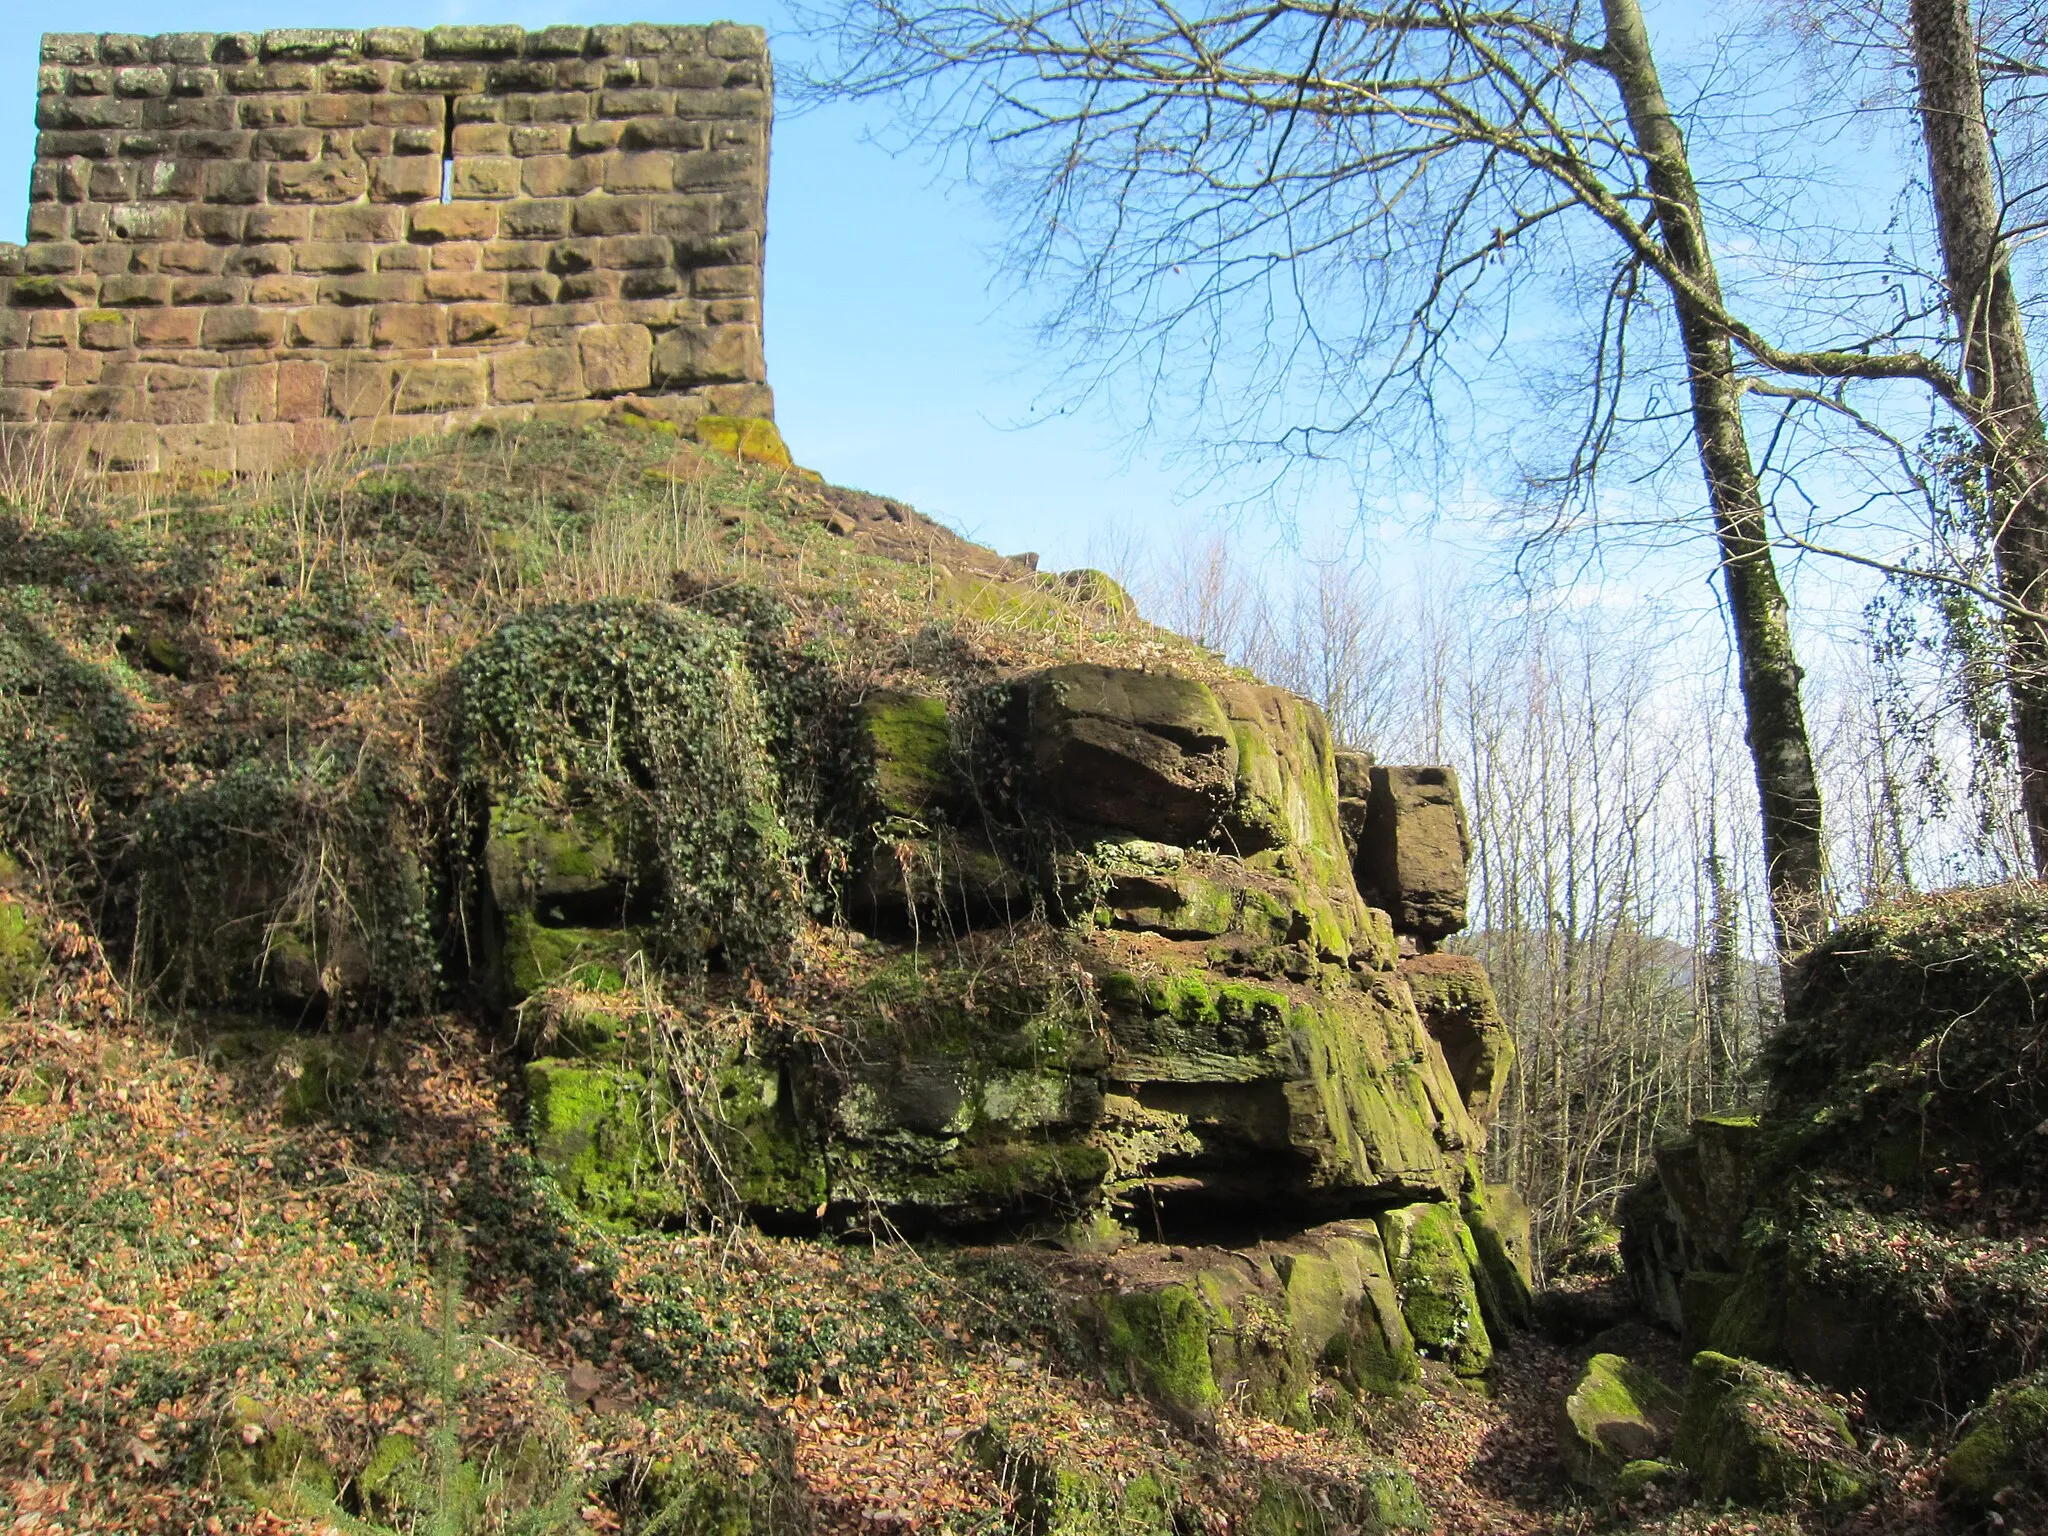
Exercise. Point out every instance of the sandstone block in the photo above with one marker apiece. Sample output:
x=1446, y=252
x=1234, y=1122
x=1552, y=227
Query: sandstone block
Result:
x=267, y=223
x=741, y=400
x=216, y=224
x=454, y=221
x=329, y=326
x=301, y=390
x=167, y=328
x=262, y=112
x=616, y=358
x=357, y=221
x=532, y=288
x=409, y=112
x=256, y=260
x=440, y=386
x=472, y=323
x=605, y=215
x=629, y=173
x=407, y=325
x=465, y=287
x=119, y=450
x=592, y=287
x=482, y=139
x=105, y=330
x=669, y=133
x=531, y=219
x=287, y=144
x=402, y=43
x=475, y=42
x=559, y=175
x=246, y=394
x=284, y=288
x=588, y=138
x=332, y=256
x=322, y=181
x=716, y=354
x=1142, y=752
x=486, y=176
x=535, y=374
x=514, y=256
x=373, y=288
x=191, y=256
x=405, y=258
x=174, y=396
x=34, y=367
x=621, y=251
x=236, y=325
x=209, y=290
x=308, y=43
x=724, y=282
x=366, y=76
x=1413, y=849
x=356, y=389
x=336, y=111
x=539, y=139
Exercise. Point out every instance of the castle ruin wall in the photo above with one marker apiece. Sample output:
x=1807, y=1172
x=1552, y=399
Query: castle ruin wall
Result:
x=248, y=249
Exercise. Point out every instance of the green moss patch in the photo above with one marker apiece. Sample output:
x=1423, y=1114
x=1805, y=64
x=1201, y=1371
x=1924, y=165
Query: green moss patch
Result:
x=1750, y=1435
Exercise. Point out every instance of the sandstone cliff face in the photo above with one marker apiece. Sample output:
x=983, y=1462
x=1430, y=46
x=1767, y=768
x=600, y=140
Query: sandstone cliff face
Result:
x=846, y=877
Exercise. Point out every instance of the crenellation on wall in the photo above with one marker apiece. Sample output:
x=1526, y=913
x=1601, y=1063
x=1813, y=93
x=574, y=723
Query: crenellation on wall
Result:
x=243, y=247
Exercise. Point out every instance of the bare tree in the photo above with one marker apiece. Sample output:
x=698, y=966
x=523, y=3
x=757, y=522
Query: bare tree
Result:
x=1393, y=175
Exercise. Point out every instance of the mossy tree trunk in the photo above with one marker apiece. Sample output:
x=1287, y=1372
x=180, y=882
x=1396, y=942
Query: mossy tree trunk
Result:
x=1780, y=751
x=1976, y=260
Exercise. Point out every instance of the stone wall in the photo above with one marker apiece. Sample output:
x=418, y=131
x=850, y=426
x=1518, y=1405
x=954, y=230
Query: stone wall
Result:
x=245, y=249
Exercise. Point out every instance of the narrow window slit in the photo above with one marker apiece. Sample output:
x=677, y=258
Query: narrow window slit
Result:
x=448, y=152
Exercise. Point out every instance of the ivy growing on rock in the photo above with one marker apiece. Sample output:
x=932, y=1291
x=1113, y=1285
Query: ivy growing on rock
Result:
x=651, y=716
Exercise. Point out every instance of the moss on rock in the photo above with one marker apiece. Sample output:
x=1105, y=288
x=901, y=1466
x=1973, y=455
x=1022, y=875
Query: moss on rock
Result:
x=1617, y=1414
x=1160, y=1341
x=593, y=1130
x=1754, y=1436
x=2002, y=1459
x=1432, y=1258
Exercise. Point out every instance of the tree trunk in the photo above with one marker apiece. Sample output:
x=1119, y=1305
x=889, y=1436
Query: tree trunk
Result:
x=1779, y=749
x=1975, y=256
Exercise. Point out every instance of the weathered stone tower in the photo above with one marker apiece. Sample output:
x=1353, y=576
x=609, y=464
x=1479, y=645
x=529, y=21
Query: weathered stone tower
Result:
x=244, y=249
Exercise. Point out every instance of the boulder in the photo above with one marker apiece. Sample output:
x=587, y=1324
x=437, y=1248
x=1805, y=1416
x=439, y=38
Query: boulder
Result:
x=1432, y=1258
x=2002, y=1458
x=1455, y=999
x=1616, y=1414
x=1144, y=752
x=1754, y=1436
x=1413, y=849
x=1289, y=1331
